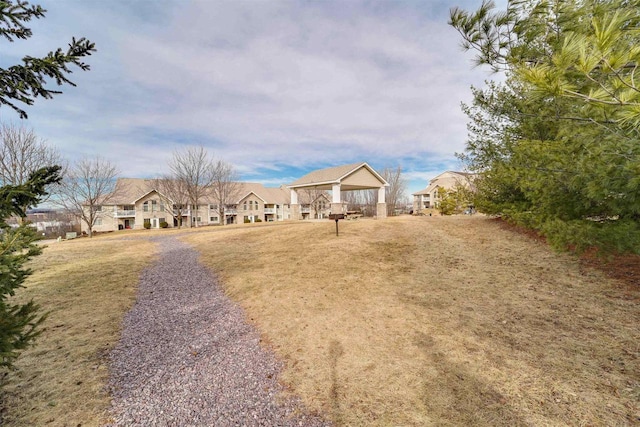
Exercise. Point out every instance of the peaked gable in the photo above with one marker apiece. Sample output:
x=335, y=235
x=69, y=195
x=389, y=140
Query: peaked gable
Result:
x=349, y=174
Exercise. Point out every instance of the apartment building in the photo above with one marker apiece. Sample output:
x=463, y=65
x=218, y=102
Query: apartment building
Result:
x=449, y=180
x=136, y=203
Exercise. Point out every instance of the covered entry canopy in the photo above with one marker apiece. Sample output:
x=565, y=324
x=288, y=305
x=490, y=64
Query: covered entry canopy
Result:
x=356, y=176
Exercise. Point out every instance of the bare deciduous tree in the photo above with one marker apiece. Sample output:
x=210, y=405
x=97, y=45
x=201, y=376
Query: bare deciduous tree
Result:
x=225, y=188
x=196, y=169
x=22, y=152
x=395, y=192
x=88, y=185
x=174, y=192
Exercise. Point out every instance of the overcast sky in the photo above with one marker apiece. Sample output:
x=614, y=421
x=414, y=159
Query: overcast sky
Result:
x=278, y=89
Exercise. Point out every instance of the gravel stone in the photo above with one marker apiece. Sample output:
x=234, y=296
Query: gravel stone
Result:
x=187, y=357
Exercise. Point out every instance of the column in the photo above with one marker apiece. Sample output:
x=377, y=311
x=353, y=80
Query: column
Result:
x=295, y=207
x=381, y=208
x=336, y=201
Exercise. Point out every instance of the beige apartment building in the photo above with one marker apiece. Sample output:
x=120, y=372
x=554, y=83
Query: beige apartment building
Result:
x=449, y=180
x=136, y=202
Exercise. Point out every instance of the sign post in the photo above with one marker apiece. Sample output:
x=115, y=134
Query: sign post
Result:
x=336, y=217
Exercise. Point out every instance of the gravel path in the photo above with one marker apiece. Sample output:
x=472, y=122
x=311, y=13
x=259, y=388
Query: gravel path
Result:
x=188, y=358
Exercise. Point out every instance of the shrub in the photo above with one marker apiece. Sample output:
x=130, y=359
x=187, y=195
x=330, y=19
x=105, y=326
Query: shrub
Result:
x=247, y=220
x=147, y=224
x=258, y=220
x=164, y=224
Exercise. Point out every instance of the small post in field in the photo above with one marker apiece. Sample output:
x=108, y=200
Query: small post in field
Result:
x=336, y=217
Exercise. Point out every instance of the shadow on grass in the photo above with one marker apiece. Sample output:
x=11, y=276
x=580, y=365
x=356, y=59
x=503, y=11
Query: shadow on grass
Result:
x=335, y=352
x=456, y=395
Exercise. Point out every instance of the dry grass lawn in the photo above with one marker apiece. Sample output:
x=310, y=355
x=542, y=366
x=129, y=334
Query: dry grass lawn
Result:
x=408, y=321
x=86, y=285
x=435, y=321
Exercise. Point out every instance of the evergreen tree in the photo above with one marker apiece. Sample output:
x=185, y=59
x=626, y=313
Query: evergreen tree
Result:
x=23, y=83
x=557, y=144
x=19, y=322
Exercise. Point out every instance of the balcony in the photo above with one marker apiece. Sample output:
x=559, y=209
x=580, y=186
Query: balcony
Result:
x=305, y=210
x=269, y=210
x=124, y=214
x=230, y=211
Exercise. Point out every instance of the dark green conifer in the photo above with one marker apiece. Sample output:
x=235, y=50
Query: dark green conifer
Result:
x=557, y=143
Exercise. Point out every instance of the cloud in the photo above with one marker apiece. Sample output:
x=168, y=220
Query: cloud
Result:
x=269, y=86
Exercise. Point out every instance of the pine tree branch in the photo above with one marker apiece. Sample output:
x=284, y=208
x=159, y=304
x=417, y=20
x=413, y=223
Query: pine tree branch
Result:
x=24, y=83
x=12, y=17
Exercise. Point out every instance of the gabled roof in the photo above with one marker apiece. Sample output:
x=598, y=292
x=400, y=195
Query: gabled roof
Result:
x=333, y=175
x=148, y=193
x=447, y=179
x=248, y=194
x=328, y=175
x=129, y=190
x=269, y=195
x=308, y=196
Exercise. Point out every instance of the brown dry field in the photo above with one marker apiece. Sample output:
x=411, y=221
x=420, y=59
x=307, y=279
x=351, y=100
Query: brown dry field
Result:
x=409, y=321
x=438, y=321
x=86, y=285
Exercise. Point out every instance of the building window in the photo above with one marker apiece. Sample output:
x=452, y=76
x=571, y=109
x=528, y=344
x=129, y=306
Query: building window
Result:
x=161, y=206
x=98, y=208
x=245, y=205
x=145, y=206
x=147, y=222
x=154, y=208
x=199, y=219
x=98, y=221
x=213, y=219
x=161, y=220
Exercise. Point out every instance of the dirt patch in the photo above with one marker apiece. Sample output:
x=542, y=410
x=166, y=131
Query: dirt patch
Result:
x=625, y=268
